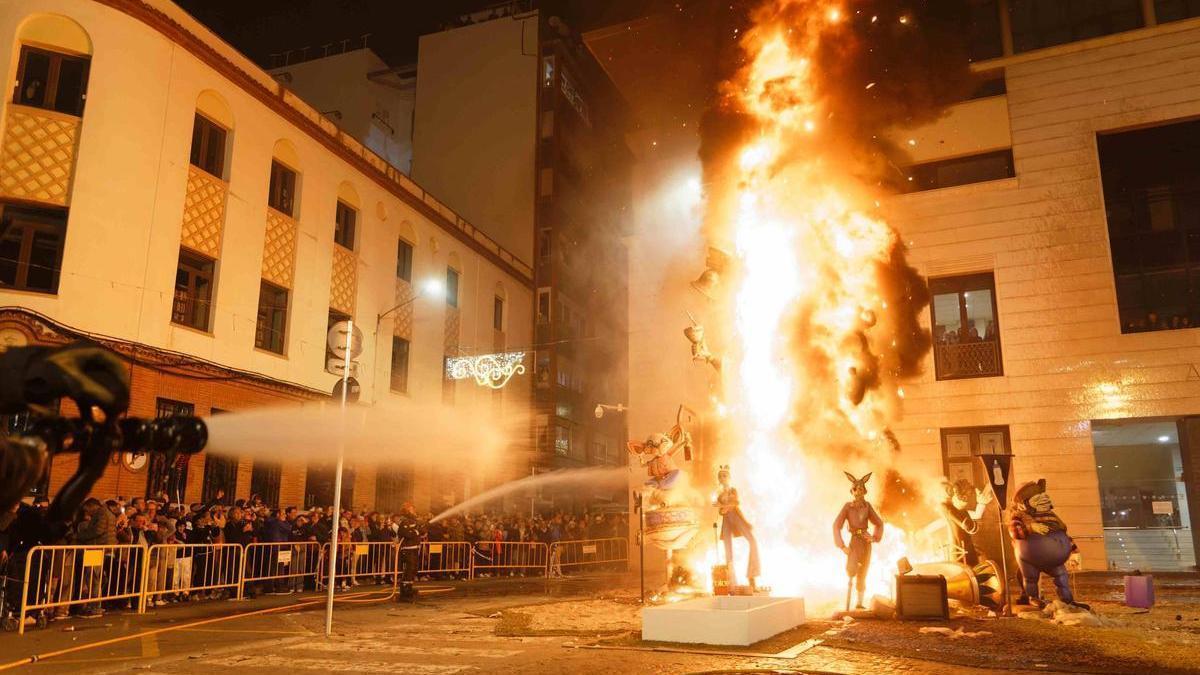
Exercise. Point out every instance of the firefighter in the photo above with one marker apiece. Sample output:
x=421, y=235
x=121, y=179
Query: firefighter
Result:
x=410, y=534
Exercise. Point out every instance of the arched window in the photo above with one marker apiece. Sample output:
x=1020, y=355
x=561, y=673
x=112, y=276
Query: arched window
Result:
x=500, y=308
x=211, y=131
x=285, y=179
x=346, y=216
x=53, y=66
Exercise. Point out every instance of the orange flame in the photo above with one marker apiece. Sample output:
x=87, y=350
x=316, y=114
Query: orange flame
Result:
x=806, y=299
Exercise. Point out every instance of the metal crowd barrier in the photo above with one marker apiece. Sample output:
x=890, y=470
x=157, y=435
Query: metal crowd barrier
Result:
x=284, y=564
x=445, y=557
x=588, y=554
x=374, y=561
x=182, y=569
x=492, y=556
x=63, y=576
x=58, y=577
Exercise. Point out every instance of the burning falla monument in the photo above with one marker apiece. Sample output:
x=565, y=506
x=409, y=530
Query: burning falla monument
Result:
x=807, y=314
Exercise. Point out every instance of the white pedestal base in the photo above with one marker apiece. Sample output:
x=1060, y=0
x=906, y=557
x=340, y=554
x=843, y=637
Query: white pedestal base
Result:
x=722, y=620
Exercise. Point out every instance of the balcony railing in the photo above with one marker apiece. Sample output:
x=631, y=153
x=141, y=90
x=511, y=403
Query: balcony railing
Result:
x=968, y=359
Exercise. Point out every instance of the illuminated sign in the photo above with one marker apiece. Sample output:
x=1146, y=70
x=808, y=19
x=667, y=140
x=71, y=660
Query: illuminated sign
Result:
x=488, y=370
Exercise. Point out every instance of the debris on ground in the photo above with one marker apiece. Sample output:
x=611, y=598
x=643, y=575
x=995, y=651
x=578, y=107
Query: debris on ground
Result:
x=954, y=634
x=1065, y=614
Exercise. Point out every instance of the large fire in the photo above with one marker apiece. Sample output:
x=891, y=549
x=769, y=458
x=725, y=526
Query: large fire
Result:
x=812, y=376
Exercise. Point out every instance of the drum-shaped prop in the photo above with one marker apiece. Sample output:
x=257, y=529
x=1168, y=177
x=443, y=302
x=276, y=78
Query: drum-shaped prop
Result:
x=671, y=528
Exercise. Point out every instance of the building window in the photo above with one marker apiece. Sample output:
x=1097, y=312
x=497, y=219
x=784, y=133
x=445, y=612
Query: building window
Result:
x=1037, y=23
x=282, y=193
x=548, y=71
x=1175, y=10
x=960, y=171
x=193, y=290
x=343, y=230
x=31, y=247
x=334, y=363
x=399, y=364
x=991, y=83
x=51, y=80
x=220, y=473
x=562, y=440
x=163, y=478
x=393, y=487
x=208, y=146
x=984, y=39
x=264, y=481
x=543, y=311
x=966, y=333
x=1151, y=181
x=498, y=313
x=270, y=332
x=404, y=261
x=22, y=424
x=451, y=287
x=319, y=485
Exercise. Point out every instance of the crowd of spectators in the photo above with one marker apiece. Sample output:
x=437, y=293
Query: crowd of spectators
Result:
x=1153, y=321
x=148, y=522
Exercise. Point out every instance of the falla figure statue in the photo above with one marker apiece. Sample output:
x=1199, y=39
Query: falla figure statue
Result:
x=733, y=525
x=866, y=528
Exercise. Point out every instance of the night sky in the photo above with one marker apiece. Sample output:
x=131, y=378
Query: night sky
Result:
x=265, y=27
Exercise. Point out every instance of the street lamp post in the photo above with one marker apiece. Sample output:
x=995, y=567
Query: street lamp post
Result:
x=431, y=287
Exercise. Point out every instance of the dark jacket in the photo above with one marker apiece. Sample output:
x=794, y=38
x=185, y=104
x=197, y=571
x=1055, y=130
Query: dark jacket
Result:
x=234, y=533
x=99, y=529
x=276, y=530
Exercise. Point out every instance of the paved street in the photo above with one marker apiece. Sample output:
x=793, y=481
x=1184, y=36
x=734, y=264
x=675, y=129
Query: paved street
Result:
x=438, y=635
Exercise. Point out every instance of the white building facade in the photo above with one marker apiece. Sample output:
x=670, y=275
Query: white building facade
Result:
x=161, y=192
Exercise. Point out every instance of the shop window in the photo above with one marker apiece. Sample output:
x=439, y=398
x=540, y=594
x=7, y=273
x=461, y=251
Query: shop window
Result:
x=51, y=80
x=282, y=192
x=192, y=305
x=31, y=247
x=946, y=173
x=1151, y=181
x=343, y=230
x=966, y=330
x=1144, y=508
x=1038, y=23
x=208, y=146
x=270, y=332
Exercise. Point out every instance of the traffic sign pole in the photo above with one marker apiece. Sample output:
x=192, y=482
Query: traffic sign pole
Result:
x=337, y=481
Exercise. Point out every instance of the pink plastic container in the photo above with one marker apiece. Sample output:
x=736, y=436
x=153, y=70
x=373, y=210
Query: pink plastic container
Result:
x=1139, y=591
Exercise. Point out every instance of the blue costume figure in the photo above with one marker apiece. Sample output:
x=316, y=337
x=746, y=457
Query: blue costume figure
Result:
x=734, y=524
x=859, y=516
x=1041, y=543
